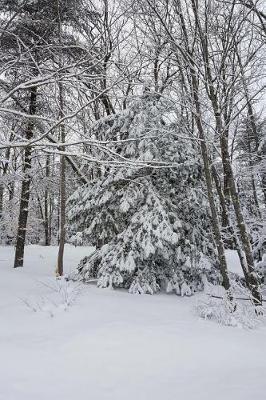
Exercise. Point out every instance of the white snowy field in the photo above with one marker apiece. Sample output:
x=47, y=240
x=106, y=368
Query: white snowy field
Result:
x=113, y=345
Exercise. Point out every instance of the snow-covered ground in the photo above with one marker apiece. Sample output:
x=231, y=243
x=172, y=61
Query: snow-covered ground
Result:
x=113, y=345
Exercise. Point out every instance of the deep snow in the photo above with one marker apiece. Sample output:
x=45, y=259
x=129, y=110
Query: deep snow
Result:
x=113, y=345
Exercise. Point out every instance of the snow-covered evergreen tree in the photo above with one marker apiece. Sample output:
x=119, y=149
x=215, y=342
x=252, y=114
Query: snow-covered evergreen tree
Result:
x=149, y=223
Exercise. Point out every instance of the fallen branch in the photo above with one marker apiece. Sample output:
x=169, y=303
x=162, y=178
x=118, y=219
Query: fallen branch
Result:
x=236, y=298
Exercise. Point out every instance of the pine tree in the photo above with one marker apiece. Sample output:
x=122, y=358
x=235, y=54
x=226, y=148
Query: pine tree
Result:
x=149, y=225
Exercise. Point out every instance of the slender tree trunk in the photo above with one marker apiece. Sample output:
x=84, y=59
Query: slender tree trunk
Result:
x=221, y=196
x=253, y=281
x=254, y=189
x=62, y=209
x=47, y=239
x=249, y=272
x=1, y=201
x=263, y=184
x=51, y=211
x=228, y=238
x=226, y=188
x=11, y=191
x=230, y=230
x=208, y=178
x=107, y=103
x=46, y=221
x=60, y=257
x=25, y=189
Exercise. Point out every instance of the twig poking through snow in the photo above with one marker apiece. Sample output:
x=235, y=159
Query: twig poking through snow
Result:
x=63, y=294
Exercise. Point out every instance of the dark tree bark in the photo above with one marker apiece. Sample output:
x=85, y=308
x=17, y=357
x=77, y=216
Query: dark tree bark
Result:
x=47, y=236
x=60, y=258
x=62, y=211
x=25, y=188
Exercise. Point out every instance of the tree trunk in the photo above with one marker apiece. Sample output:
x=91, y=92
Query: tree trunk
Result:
x=228, y=236
x=208, y=178
x=253, y=281
x=263, y=185
x=62, y=211
x=47, y=237
x=60, y=259
x=249, y=271
x=1, y=200
x=230, y=230
x=25, y=189
x=1, y=206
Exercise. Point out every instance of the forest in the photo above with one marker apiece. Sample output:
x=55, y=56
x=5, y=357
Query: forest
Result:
x=133, y=157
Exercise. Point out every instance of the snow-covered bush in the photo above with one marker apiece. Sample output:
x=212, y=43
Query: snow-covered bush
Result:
x=220, y=310
x=236, y=311
x=150, y=224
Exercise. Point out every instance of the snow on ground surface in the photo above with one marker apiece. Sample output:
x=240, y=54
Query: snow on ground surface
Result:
x=113, y=345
